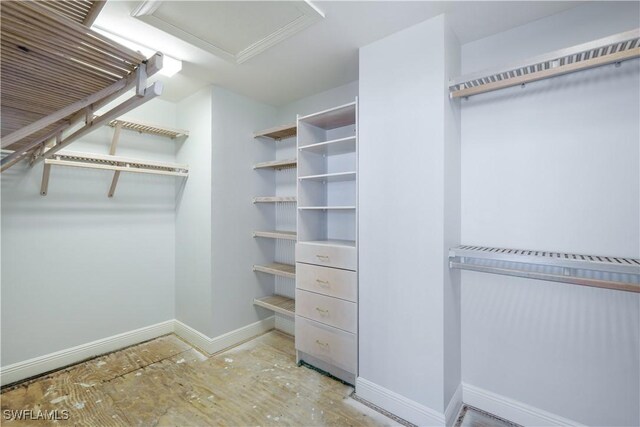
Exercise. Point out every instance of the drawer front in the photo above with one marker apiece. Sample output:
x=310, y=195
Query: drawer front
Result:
x=327, y=255
x=328, y=281
x=328, y=344
x=328, y=310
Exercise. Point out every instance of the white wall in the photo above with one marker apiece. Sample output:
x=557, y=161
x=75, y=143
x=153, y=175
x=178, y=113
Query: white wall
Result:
x=234, y=217
x=554, y=166
x=403, y=184
x=193, y=291
x=68, y=275
x=318, y=102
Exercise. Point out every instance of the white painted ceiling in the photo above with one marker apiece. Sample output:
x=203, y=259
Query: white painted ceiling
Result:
x=320, y=57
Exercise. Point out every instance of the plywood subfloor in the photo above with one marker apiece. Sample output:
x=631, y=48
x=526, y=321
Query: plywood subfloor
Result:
x=472, y=417
x=167, y=382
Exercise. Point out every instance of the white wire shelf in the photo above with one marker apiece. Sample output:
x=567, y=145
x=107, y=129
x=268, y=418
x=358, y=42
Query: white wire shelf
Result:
x=587, y=270
x=613, y=49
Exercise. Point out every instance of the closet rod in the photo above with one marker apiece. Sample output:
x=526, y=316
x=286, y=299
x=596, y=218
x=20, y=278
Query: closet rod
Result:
x=613, y=49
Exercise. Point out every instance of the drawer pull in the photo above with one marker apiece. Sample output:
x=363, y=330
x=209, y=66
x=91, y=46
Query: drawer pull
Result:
x=323, y=282
x=323, y=258
x=323, y=311
x=323, y=344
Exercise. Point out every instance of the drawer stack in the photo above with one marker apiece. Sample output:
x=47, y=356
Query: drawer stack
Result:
x=326, y=313
x=326, y=307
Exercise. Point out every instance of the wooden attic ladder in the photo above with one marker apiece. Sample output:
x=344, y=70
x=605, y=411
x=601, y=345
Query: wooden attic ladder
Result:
x=56, y=73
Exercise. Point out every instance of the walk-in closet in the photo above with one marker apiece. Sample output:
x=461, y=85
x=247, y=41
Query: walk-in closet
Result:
x=320, y=213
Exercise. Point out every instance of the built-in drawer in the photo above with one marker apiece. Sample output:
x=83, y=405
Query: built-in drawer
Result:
x=328, y=310
x=330, y=281
x=331, y=345
x=338, y=256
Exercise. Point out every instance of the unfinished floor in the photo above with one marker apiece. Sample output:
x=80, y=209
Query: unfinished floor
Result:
x=168, y=382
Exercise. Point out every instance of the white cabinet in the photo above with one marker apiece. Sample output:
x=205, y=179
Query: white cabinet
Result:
x=327, y=250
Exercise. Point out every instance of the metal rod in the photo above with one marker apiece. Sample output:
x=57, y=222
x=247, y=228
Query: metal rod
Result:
x=620, y=286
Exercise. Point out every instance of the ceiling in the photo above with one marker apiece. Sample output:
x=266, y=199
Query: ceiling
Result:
x=320, y=55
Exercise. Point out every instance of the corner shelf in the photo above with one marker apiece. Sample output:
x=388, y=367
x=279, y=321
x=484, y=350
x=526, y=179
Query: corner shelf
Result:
x=278, y=133
x=277, y=303
x=277, y=164
x=330, y=177
x=277, y=269
x=275, y=234
x=275, y=199
x=333, y=147
x=587, y=270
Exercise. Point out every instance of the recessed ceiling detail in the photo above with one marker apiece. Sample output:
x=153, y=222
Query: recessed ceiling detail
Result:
x=233, y=30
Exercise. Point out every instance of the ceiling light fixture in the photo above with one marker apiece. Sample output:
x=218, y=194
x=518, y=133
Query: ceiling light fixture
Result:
x=170, y=65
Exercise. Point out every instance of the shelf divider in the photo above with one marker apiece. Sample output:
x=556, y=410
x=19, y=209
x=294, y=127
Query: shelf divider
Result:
x=275, y=234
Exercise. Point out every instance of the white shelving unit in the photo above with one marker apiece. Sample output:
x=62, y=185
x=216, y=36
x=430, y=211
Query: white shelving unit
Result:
x=278, y=241
x=326, y=251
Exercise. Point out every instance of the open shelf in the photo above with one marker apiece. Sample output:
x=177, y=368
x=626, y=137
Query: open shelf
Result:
x=333, y=147
x=277, y=269
x=275, y=199
x=277, y=164
x=327, y=208
x=277, y=303
x=278, y=133
x=115, y=163
x=330, y=177
x=332, y=242
x=587, y=270
x=141, y=127
x=332, y=118
x=284, y=235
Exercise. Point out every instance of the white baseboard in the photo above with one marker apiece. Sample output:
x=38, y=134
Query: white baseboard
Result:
x=397, y=404
x=454, y=406
x=512, y=410
x=38, y=365
x=49, y=362
x=222, y=342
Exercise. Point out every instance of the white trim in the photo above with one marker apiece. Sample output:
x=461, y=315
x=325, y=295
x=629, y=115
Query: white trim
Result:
x=41, y=364
x=222, y=342
x=454, y=406
x=59, y=359
x=310, y=15
x=397, y=404
x=512, y=410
